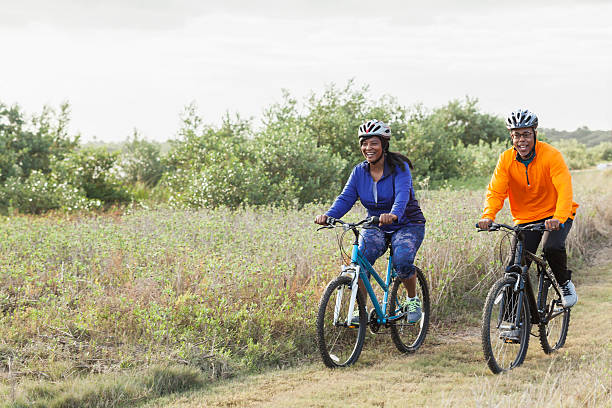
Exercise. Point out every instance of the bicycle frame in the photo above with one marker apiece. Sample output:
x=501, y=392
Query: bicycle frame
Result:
x=520, y=271
x=359, y=267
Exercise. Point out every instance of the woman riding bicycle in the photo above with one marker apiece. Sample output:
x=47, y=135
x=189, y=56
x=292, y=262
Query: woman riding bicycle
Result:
x=383, y=184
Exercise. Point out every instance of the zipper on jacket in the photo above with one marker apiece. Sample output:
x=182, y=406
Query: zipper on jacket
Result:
x=526, y=163
x=375, y=192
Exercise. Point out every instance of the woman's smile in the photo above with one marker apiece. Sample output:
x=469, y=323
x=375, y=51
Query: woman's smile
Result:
x=371, y=149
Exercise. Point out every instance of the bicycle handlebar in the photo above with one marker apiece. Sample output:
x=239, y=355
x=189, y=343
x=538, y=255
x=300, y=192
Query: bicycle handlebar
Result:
x=369, y=222
x=540, y=226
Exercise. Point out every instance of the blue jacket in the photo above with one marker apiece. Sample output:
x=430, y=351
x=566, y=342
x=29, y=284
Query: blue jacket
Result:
x=395, y=195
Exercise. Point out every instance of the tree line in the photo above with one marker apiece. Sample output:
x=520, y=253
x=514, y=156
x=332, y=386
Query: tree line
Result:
x=299, y=152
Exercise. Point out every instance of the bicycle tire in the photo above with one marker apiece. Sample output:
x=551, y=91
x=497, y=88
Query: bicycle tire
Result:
x=408, y=337
x=554, y=332
x=340, y=346
x=500, y=306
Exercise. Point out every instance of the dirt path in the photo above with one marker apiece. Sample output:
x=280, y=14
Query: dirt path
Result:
x=448, y=371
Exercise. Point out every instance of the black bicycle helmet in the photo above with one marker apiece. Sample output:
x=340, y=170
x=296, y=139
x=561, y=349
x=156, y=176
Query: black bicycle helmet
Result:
x=521, y=118
x=374, y=127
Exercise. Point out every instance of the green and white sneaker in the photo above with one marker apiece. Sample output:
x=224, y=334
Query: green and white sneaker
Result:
x=413, y=307
x=355, y=319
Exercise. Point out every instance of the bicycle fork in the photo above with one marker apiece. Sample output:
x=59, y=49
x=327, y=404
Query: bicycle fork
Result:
x=353, y=273
x=509, y=311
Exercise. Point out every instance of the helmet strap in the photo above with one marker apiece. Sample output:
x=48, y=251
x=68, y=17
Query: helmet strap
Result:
x=381, y=156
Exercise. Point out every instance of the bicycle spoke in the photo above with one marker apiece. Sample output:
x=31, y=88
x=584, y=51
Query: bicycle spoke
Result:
x=408, y=336
x=504, y=343
x=554, y=332
x=339, y=344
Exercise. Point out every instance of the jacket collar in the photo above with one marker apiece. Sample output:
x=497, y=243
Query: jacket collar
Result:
x=386, y=169
x=531, y=156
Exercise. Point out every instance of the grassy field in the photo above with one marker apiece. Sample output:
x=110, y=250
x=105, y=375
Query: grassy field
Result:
x=449, y=371
x=105, y=310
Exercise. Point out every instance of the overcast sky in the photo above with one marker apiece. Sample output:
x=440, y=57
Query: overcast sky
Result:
x=125, y=64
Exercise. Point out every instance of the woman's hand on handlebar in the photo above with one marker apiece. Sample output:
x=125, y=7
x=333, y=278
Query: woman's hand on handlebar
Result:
x=321, y=219
x=386, y=219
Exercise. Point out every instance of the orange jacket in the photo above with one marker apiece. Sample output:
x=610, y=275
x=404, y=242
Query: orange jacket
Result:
x=541, y=190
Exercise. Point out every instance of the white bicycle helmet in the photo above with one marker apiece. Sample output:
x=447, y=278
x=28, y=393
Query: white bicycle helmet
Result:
x=374, y=127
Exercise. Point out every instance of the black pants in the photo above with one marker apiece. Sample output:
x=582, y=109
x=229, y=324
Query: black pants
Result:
x=553, y=246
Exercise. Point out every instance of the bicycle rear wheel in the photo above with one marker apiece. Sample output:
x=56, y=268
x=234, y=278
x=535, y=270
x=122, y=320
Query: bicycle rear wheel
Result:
x=554, y=332
x=408, y=337
x=340, y=344
x=503, y=344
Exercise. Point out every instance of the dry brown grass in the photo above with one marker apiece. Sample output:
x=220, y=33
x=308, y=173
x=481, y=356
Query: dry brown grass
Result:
x=448, y=372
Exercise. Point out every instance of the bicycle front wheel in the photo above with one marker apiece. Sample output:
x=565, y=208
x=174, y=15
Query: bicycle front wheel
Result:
x=554, y=332
x=504, y=340
x=340, y=343
x=409, y=336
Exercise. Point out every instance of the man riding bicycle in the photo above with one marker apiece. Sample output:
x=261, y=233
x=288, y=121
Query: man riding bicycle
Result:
x=538, y=184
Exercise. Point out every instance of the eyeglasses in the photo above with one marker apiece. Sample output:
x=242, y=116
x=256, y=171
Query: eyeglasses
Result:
x=521, y=135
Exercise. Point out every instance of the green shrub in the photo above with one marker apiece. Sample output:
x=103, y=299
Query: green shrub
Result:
x=575, y=154
x=140, y=161
x=40, y=193
x=93, y=171
x=30, y=145
x=602, y=152
x=479, y=160
x=230, y=166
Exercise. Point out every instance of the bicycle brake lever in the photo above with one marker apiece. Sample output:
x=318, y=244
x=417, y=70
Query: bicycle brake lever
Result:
x=491, y=228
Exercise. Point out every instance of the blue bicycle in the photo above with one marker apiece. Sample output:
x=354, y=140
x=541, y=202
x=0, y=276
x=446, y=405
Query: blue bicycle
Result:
x=342, y=317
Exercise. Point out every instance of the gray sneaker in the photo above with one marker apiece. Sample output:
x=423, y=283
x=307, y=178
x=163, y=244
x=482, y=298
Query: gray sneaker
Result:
x=570, y=297
x=413, y=307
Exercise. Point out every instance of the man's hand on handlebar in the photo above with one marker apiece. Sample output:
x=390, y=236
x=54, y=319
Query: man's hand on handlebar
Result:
x=552, y=224
x=485, y=223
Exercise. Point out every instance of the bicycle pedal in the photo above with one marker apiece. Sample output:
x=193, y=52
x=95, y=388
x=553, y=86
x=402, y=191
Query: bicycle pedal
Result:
x=510, y=336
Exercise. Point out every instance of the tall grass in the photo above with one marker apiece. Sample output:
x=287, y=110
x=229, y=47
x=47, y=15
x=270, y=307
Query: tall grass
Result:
x=560, y=386
x=108, y=391
x=218, y=291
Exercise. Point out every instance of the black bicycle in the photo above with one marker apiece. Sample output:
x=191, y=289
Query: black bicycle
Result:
x=512, y=308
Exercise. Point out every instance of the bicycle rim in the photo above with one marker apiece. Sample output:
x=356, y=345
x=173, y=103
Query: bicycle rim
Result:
x=503, y=345
x=339, y=344
x=408, y=337
x=554, y=332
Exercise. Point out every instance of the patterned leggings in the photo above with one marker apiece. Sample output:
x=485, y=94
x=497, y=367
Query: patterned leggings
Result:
x=405, y=243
